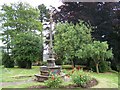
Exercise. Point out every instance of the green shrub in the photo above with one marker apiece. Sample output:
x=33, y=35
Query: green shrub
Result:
x=24, y=64
x=7, y=61
x=104, y=67
x=118, y=67
x=59, y=62
x=27, y=49
x=67, y=66
x=71, y=66
x=80, y=78
x=54, y=81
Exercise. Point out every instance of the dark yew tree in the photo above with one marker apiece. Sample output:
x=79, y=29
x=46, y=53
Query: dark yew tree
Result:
x=115, y=39
x=103, y=16
x=44, y=13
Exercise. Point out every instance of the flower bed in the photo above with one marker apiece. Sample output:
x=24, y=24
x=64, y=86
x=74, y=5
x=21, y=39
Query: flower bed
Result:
x=78, y=78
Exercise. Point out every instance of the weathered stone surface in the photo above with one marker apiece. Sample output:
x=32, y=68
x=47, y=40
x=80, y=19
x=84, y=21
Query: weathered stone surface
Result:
x=45, y=71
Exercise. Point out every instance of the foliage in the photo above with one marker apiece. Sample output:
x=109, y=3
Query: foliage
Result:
x=20, y=17
x=104, y=66
x=103, y=16
x=97, y=51
x=7, y=61
x=69, y=38
x=80, y=78
x=54, y=81
x=44, y=13
x=75, y=42
x=27, y=49
x=16, y=18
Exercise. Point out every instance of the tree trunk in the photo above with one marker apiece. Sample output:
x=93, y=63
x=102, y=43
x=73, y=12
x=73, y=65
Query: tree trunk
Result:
x=29, y=65
x=97, y=69
x=73, y=63
x=7, y=44
x=21, y=64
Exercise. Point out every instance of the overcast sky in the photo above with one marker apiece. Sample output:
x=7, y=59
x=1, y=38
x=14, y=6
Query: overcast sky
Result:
x=33, y=3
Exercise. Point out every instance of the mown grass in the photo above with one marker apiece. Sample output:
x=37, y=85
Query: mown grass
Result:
x=0, y=57
x=106, y=80
x=12, y=74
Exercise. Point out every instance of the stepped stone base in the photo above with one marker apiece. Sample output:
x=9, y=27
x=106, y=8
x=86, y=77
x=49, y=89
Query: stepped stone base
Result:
x=45, y=71
x=41, y=78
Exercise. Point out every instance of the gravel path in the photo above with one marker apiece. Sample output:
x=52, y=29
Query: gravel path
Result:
x=4, y=84
x=15, y=83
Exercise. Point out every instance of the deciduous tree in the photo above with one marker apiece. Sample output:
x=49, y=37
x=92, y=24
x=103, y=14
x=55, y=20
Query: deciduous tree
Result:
x=69, y=38
x=18, y=18
x=103, y=16
x=96, y=51
x=27, y=49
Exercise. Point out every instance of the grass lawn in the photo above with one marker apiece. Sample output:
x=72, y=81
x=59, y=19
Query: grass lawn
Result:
x=12, y=74
x=106, y=80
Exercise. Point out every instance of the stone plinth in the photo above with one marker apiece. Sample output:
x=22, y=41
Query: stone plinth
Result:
x=51, y=62
x=46, y=70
